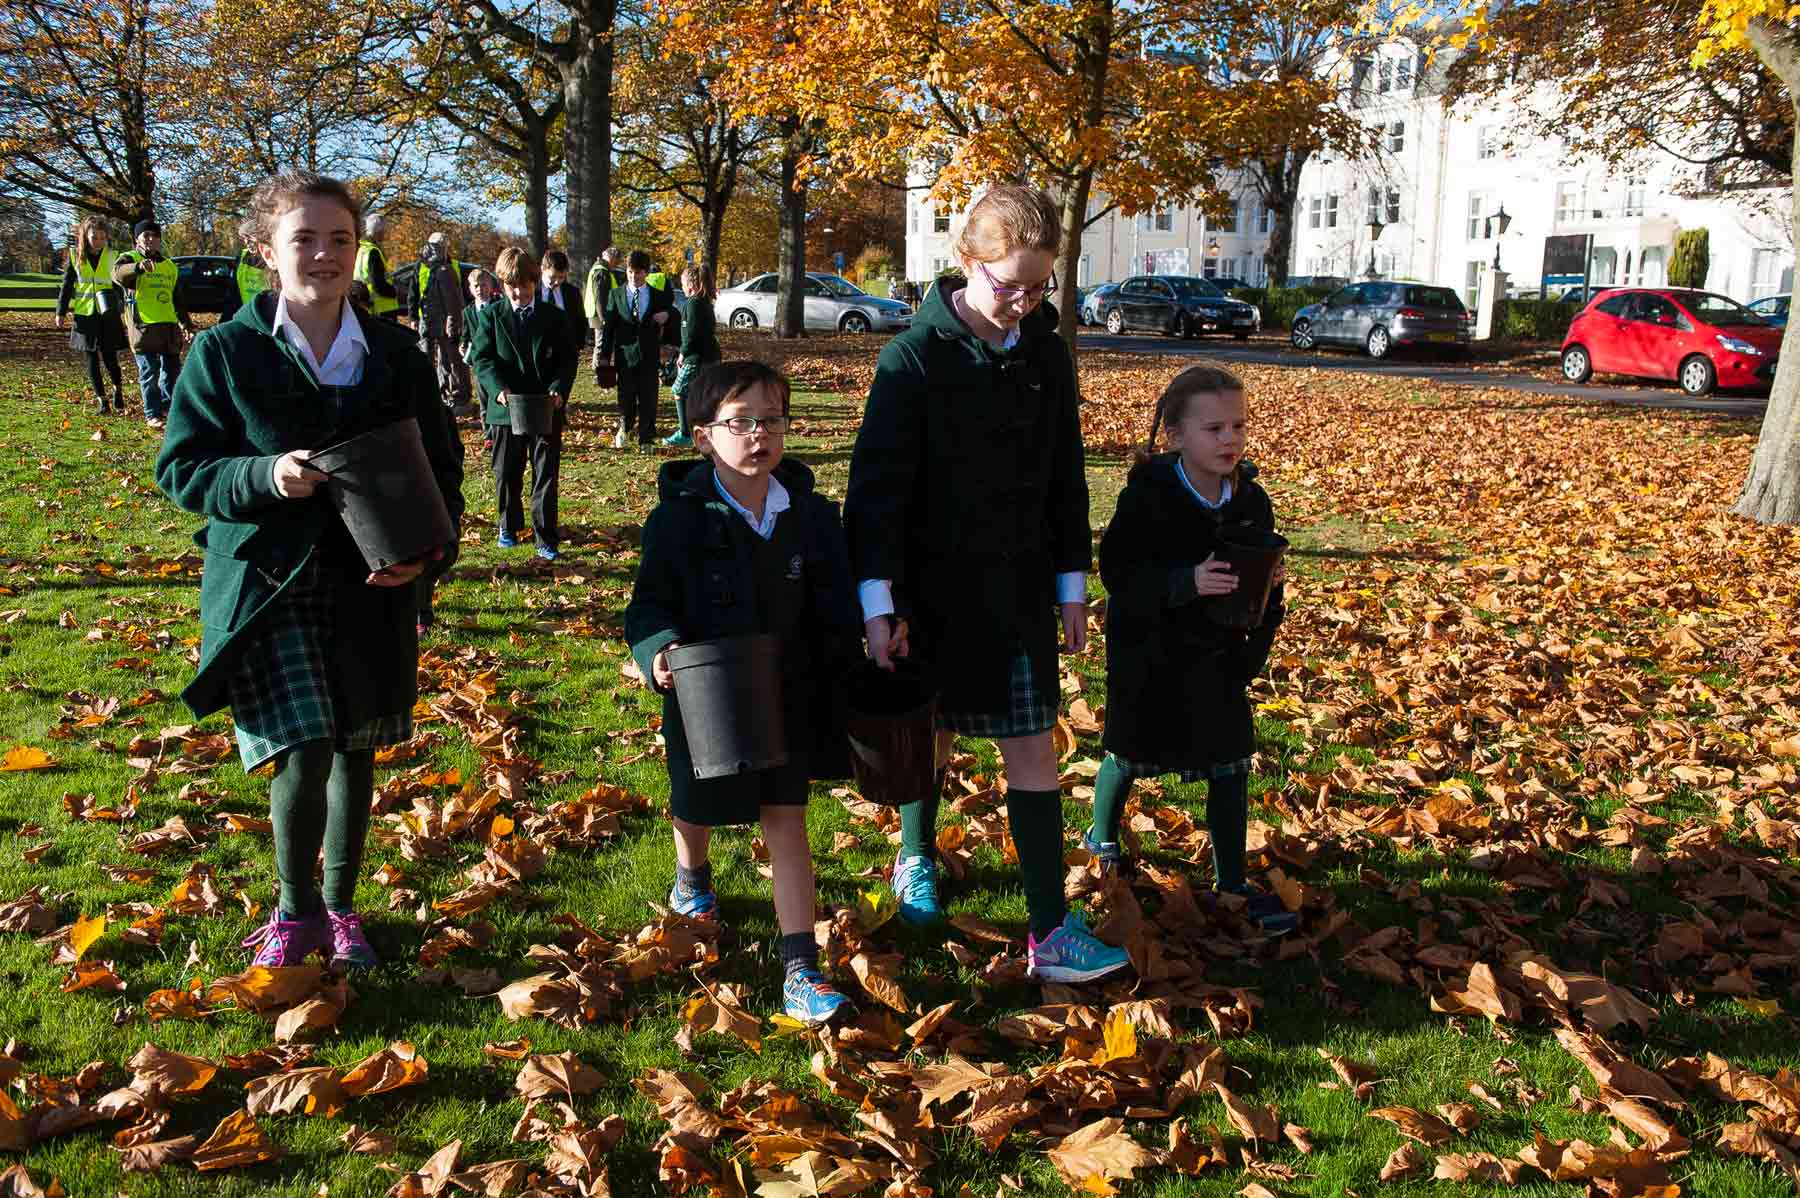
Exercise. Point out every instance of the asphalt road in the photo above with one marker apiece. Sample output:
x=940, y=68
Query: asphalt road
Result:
x=1263, y=352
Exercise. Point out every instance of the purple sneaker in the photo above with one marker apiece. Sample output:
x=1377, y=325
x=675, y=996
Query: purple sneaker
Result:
x=283, y=942
x=349, y=947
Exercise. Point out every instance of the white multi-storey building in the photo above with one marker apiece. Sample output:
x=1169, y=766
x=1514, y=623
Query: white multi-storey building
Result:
x=1438, y=177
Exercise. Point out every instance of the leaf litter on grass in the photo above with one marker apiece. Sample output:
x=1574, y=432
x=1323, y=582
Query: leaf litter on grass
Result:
x=1516, y=673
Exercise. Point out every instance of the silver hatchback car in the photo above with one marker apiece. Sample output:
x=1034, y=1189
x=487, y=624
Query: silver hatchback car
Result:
x=831, y=303
x=1379, y=317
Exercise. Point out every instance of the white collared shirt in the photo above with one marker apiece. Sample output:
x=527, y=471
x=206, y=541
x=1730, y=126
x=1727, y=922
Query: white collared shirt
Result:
x=554, y=295
x=1224, y=489
x=775, y=503
x=343, y=365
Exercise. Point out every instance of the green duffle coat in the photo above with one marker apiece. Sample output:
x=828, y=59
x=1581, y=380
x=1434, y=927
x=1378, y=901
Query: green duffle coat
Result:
x=705, y=574
x=245, y=398
x=536, y=356
x=968, y=491
x=1175, y=680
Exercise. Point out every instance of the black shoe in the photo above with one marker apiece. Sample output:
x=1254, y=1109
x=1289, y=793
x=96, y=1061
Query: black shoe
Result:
x=1265, y=910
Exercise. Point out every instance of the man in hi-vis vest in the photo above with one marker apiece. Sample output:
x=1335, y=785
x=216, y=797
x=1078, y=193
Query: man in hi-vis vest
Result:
x=439, y=315
x=602, y=277
x=372, y=270
x=156, y=325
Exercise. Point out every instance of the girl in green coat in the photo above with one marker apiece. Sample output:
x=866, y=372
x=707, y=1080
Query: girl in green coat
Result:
x=316, y=657
x=967, y=514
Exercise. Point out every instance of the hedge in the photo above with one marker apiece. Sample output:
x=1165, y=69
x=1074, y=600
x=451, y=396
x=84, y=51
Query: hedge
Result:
x=1535, y=319
x=1278, y=304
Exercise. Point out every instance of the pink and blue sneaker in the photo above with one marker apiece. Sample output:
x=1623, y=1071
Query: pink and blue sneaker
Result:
x=1072, y=954
x=284, y=942
x=915, y=889
x=350, y=949
x=808, y=998
x=694, y=902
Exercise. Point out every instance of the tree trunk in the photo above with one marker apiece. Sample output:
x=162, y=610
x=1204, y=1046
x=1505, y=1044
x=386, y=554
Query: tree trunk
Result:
x=1068, y=268
x=790, y=299
x=587, y=136
x=1771, y=493
x=537, y=189
x=1278, y=178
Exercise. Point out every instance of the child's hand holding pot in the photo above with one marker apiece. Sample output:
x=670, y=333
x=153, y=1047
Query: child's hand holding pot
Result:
x=1214, y=577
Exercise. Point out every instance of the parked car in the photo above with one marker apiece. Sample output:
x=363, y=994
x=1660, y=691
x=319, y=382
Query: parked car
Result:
x=1177, y=306
x=1381, y=317
x=1773, y=308
x=1578, y=294
x=830, y=303
x=206, y=283
x=1701, y=340
x=1088, y=312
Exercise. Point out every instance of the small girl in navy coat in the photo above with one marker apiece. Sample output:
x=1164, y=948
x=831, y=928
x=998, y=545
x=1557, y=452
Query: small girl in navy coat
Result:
x=1175, y=679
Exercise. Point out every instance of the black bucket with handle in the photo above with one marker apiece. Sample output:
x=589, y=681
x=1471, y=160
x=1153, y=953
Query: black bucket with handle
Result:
x=531, y=415
x=892, y=721
x=731, y=703
x=382, y=486
x=1253, y=554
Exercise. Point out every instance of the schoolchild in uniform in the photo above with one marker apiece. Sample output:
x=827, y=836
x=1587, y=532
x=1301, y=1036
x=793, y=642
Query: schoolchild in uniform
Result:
x=631, y=337
x=315, y=656
x=89, y=293
x=741, y=543
x=555, y=288
x=156, y=323
x=522, y=347
x=1175, y=679
x=967, y=515
x=699, y=345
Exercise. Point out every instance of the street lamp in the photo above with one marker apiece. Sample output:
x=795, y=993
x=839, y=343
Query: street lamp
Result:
x=1375, y=228
x=1495, y=227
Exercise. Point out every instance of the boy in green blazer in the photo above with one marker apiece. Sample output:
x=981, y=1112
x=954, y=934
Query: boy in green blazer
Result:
x=631, y=338
x=523, y=347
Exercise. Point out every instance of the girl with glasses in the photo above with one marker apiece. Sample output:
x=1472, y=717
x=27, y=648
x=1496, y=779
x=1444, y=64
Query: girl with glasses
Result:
x=967, y=514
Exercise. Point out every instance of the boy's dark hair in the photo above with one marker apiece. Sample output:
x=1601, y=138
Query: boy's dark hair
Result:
x=1202, y=378
x=723, y=381
x=639, y=260
x=556, y=260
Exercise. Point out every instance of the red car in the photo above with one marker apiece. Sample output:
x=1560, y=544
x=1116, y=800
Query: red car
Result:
x=1701, y=340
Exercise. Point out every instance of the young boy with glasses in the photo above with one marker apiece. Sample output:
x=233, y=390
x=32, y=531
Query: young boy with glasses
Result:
x=739, y=544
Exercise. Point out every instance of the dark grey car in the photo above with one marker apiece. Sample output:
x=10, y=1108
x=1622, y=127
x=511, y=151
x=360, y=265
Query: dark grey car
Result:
x=1379, y=317
x=1176, y=306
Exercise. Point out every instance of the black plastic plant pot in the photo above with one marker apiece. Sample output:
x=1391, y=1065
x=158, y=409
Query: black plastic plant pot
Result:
x=1253, y=556
x=531, y=415
x=731, y=704
x=383, y=487
x=892, y=721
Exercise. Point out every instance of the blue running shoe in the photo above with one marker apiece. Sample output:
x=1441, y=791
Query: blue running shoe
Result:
x=695, y=904
x=1265, y=910
x=678, y=441
x=810, y=999
x=1072, y=954
x=507, y=541
x=547, y=553
x=915, y=886
x=1107, y=852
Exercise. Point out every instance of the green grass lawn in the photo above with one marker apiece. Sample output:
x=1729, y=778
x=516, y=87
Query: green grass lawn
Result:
x=98, y=592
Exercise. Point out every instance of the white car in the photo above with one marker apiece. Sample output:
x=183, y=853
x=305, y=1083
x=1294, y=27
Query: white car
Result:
x=831, y=303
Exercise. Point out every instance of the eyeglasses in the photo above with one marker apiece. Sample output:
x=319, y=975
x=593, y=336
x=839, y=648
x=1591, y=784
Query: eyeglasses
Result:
x=743, y=426
x=1011, y=293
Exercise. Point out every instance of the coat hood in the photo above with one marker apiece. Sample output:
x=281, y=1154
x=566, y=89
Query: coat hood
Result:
x=939, y=315
x=693, y=479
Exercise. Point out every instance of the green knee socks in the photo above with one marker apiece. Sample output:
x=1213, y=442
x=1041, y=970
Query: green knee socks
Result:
x=918, y=823
x=1035, y=819
x=320, y=799
x=1228, y=820
x=347, y=802
x=1110, y=789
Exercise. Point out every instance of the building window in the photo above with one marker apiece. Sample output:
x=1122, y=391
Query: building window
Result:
x=1331, y=207
x=1315, y=211
x=1636, y=187
x=1765, y=273
x=1396, y=137
x=1393, y=207
x=1403, y=73
x=940, y=222
x=939, y=266
x=1228, y=222
x=1374, y=213
x=914, y=225
x=1385, y=72
x=1162, y=220
x=1477, y=214
x=1265, y=217
x=1568, y=203
x=1228, y=267
x=1487, y=142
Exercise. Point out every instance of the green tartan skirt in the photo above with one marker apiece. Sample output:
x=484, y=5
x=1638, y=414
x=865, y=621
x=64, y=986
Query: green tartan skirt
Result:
x=285, y=692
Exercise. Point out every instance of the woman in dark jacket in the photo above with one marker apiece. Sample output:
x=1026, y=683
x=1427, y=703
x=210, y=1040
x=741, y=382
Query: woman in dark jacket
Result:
x=316, y=656
x=89, y=293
